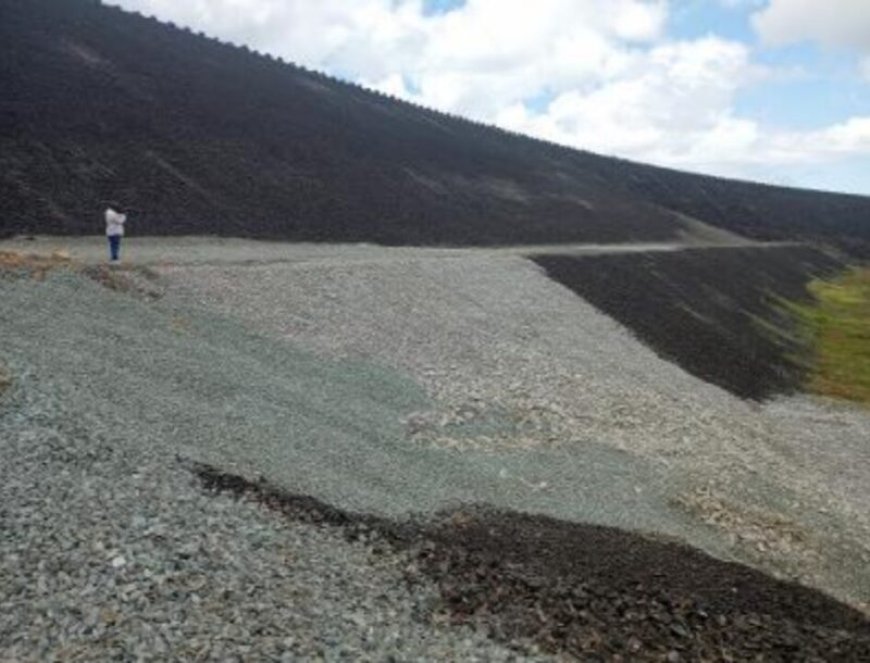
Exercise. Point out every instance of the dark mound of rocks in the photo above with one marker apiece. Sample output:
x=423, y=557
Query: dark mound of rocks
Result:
x=590, y=592
x=193, y=136
x=717, y=313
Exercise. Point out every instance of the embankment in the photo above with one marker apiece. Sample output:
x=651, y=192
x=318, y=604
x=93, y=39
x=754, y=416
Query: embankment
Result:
x=714, y=312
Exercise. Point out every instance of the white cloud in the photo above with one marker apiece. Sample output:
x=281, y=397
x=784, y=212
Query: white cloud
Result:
x=865, y=68
x=676, y=109
x=843, y=139
x=490, y=54
x=595, y=74
x=476, y=59
x=659, y=107
x=310, y=33
x=840, y=23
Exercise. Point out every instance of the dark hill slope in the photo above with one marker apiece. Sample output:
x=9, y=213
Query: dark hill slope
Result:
x=716, y=312
x=200, y=137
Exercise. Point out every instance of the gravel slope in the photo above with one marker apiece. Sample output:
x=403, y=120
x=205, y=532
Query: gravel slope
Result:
x=111, y=549
x=527, y=378
x=393, y=389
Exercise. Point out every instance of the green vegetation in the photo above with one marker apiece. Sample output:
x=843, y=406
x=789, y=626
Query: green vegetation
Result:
x=838, y=325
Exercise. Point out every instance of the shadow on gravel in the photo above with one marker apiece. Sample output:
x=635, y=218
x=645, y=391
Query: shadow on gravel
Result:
x=589, y=591
x=139, y=281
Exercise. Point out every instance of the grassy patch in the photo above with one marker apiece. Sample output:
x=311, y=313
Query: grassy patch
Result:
x=33, y=266
x=115, y=277
x=838, y=327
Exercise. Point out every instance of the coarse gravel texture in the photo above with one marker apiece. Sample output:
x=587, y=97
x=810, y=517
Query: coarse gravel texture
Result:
x=360, y=402
x=532, y=384
x=335, y=429
x=110, y=548
x=584, y=591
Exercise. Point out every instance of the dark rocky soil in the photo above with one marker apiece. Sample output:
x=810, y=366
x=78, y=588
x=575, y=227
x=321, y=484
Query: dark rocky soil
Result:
x=192, y=136
x=590, y=592
x=715, y=312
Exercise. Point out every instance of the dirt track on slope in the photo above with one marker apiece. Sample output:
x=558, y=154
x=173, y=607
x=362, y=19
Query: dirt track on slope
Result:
x=214, y=251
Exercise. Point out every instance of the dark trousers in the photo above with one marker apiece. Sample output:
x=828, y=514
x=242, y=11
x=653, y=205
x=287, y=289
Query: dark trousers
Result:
x=115, y=246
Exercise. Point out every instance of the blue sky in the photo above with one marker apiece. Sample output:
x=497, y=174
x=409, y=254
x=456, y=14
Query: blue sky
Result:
x=441, y=6
x=827, y=88
x=773, y=90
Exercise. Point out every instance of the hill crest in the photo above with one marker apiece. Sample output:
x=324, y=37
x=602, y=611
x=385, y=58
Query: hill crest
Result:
x=198, y=136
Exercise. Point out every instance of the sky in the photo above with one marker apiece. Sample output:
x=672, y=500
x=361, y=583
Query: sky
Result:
x=769, y=90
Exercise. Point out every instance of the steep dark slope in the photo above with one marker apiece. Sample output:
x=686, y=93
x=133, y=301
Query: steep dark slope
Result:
x=200, y=137
x=715, y=312
x=754, y=210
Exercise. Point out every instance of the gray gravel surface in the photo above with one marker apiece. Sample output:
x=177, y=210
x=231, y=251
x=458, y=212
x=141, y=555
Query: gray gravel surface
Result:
x=529, y=381
x=392, y=386
x=109, y=549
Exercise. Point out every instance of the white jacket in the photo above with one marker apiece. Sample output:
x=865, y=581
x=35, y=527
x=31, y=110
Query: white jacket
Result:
x=114, y=223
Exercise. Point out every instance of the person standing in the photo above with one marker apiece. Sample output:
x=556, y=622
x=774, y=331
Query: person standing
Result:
x=115, y=231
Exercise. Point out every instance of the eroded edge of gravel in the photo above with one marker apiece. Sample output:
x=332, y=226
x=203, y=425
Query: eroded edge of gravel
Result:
x=579, y=590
